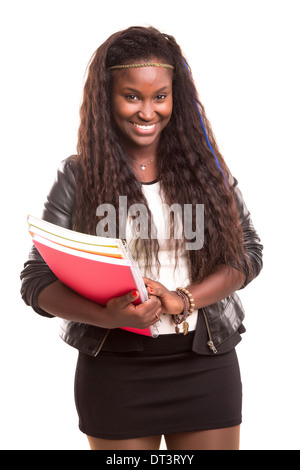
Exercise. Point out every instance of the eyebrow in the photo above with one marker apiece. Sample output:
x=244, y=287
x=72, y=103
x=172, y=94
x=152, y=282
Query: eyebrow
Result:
x=134, y=90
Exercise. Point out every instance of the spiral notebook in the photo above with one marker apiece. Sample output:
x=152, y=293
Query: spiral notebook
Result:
x=97, y=268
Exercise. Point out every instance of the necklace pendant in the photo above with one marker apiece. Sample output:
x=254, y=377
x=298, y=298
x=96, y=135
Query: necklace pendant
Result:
x=143, y=167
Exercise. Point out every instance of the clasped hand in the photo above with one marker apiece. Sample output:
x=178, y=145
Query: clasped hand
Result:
x=171, y=303
x=123, y=312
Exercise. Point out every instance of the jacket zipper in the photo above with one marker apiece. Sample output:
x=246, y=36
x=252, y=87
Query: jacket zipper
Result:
x=210, y=343
x=101, y=344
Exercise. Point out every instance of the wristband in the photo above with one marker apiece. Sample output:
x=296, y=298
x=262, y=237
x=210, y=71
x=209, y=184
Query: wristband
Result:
x=188, y=308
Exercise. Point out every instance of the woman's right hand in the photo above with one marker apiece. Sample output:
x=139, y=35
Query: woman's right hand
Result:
x=122, y=312
x=61, y=301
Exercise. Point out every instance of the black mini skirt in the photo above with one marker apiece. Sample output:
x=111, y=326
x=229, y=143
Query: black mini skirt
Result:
x=164, y=389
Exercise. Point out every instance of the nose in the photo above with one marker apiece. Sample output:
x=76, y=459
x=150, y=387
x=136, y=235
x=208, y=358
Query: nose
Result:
x=146, y=111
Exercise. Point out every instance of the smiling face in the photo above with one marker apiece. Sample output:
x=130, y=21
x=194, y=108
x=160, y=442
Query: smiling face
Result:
x=142, y=105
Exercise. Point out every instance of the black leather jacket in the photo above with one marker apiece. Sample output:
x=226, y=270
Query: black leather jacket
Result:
x=223, y=319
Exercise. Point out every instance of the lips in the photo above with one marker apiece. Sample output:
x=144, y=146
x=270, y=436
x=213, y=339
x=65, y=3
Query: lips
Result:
x=146, y=128
x=143, y=128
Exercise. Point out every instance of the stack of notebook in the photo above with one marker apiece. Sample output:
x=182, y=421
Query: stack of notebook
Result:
x=97, y=268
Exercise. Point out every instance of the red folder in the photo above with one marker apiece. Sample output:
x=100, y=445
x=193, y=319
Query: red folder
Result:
x=96, y=277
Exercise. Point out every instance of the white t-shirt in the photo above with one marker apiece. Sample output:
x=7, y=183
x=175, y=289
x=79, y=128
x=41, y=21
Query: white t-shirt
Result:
x=169, y=275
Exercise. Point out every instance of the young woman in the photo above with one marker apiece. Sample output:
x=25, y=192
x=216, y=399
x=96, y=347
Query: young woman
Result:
x=144, y=135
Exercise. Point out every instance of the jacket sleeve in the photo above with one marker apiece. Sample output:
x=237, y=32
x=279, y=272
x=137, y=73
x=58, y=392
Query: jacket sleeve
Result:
x=252, y=244
x=58, y=209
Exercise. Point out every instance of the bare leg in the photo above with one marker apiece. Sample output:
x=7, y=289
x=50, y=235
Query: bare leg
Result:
x=139, y=443
x=212, y=439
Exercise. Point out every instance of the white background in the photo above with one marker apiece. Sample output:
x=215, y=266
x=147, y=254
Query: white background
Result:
x=245, y=60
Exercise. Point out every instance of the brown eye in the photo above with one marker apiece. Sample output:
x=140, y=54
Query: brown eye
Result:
x=131, y=97
x=160, y=97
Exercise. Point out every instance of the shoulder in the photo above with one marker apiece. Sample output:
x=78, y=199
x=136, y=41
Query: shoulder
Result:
x=65, y=179
x=67, y=173
x=233, y=182
x=60, y=202
x=69, y=166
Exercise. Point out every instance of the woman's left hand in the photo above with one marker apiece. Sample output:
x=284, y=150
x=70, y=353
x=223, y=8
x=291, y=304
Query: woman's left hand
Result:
x=171, y=303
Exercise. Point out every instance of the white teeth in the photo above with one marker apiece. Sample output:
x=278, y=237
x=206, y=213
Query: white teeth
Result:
x=144, y=127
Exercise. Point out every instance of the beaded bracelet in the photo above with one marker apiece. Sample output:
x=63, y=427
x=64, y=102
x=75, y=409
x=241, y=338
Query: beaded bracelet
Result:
x=190, y=298
x=188, y=308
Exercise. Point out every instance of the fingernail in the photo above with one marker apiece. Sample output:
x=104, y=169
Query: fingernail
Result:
x=150, y=290
x=134, y=293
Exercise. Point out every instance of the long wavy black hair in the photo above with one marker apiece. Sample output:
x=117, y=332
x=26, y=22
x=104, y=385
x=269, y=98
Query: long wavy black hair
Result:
x=188, y=171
